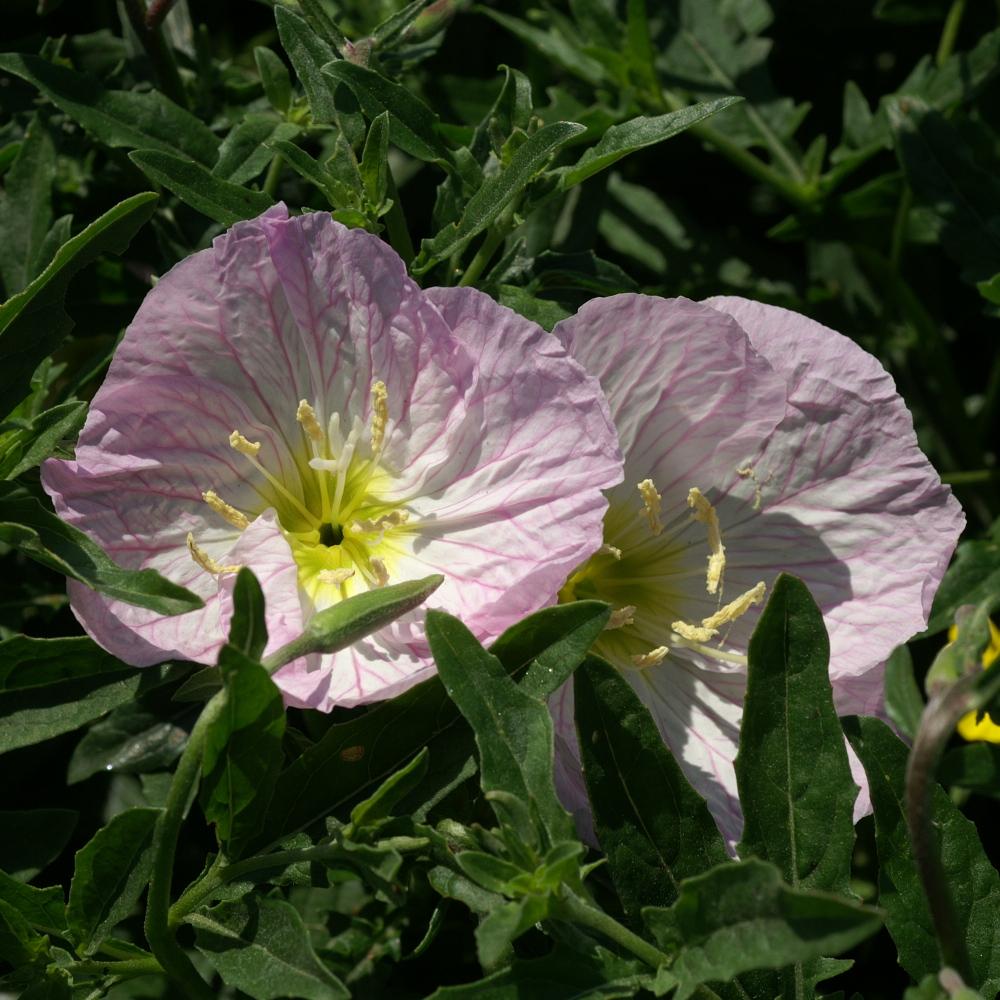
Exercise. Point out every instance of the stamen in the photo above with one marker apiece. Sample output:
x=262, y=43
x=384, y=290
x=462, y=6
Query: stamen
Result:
x=705, y=513
x=621, y=617
x=306, y=416
x=380, y=414
x=652, y=658
x=334, y=576
x=747, y=472
x=243, y=445
x=205, y=561
x=609, y=550
x=236, y=518
x=391, y=520
x=736, y=608
x=651, y=501
x=250, y=448
x=379, y=571
x=692, y=632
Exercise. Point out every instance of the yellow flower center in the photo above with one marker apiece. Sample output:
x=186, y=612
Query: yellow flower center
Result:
x=332, y=510
x=985, y=730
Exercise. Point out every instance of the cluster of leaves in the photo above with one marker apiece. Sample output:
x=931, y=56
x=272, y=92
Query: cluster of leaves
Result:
x=418, y=847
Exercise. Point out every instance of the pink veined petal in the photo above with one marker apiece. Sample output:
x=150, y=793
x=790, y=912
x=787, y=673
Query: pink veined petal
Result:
x=519, y=504
x=689, y=396
x=364, y=319
x=852, y=506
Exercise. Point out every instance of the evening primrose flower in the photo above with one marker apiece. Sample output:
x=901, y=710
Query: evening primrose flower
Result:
x=756, y=441
x=985, y=730
x=290, y=401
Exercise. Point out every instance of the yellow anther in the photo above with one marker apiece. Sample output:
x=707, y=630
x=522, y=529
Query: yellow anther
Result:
x=335, y=577
x=610, y=550
x=651, y=501
x=236, y=518
x=205, y=561
x=692, y=632
x=621, y=617
x=306, y=416
x=391, y=520
x=380, y=414
x=652, y=658
x=705, y=513
x=243, y=445
x=734, y=609
x=379, y=571
x=748, y=472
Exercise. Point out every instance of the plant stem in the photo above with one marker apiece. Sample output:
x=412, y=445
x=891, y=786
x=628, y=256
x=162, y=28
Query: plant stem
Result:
x=570, y=907
x=949, y=33
x=125, y=967
x=936, y=726
x=972, y=477
x=273, y=175
x=395, y=222
x=152, y=40
x=161, y=940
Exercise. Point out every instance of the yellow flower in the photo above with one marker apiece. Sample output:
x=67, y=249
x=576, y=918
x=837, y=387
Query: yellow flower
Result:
x=985, y=729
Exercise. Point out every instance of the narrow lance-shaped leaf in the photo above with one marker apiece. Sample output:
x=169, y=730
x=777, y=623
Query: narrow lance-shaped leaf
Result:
x=974, y=882
x=192, y=183
x=110, y=874
x=638, y=133
x=513, y=730
x=27, y=525
x=129, y=119
x=247, y=627
x=741, y=916
x=308, y=53
x=655, y=829
x=34, y=322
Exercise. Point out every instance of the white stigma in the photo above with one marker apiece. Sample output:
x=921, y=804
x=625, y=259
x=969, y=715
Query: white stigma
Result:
x=652, y=501
x=705, y=513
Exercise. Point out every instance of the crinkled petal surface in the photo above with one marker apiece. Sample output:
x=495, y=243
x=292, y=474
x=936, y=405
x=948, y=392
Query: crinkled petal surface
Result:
x=800, y=442
x=491, y=442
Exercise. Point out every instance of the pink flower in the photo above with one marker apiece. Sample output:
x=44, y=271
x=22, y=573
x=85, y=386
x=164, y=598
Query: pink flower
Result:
x=289, y=400
x=755, y=441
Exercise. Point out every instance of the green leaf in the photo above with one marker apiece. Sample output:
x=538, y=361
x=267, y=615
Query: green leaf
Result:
x=395, y=788
x=357, y=755
x=111, y=871
x=336, y=193
x=513, y=729
x=242, y=755
x=741, y=916
x=971, y=578
x=248, y=626
x=412, y=125
x=274, y=76
x=375, y=160
x=451, y=885
x=44, y=909
x=563, y=974
x=506, y=924
x=31, y=443
x=46, y=538
x=975, y=766
x=192, y=183
x=792, y=770
x=638, y=133
x=974, y=883
x=308, y=53
x=20, y=943
x=964, y=198
x=33, y=838
x=26, y=207
x=245, y=152
x=33, y=322
x=904, y=704
x=653, y=827
x=496, y=193
x=261, y=946
x=130, y=740
x=129, y=119
x=52, y=686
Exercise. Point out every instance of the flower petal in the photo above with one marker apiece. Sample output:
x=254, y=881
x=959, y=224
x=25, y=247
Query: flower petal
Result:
x=850, y=503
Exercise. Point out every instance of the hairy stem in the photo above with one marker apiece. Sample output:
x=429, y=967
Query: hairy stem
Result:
x=949, y=33
x=151, y=37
